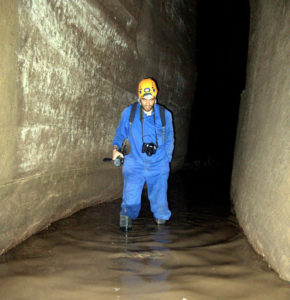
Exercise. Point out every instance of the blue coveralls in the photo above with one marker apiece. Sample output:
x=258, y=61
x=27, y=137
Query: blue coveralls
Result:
x=139, y=168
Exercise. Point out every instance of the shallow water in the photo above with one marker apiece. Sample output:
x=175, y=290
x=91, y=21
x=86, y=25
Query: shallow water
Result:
x=200, y=254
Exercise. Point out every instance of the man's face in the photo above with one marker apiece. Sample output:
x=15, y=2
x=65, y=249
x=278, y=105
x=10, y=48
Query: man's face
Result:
x=147, y=104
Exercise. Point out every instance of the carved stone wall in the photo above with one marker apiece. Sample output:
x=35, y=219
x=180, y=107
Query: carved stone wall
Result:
x=261, y=173
x=69, y=69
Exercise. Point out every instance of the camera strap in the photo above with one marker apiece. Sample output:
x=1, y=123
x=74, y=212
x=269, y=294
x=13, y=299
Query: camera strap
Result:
x=141, y=119
x=162, y=116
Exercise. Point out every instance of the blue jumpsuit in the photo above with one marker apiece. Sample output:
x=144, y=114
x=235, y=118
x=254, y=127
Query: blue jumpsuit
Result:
x=139, y=168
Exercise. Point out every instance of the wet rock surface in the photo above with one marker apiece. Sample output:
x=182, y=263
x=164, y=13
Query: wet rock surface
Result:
x=261, y=173
x=69, y=69
x=200, y=254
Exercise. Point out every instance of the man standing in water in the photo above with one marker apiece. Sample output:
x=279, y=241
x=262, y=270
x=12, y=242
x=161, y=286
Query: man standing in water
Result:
x=149, y=129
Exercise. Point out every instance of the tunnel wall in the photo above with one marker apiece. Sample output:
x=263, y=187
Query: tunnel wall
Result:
x=261, y=173
x=69, y=69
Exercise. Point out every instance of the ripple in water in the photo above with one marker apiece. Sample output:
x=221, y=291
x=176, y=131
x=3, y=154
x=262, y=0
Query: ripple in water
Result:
x=197, y=255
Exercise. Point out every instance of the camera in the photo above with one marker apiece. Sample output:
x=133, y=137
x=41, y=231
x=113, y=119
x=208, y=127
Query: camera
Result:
x=149, y=148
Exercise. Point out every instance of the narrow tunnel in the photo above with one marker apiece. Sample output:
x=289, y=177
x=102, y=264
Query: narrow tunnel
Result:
x=68, y=70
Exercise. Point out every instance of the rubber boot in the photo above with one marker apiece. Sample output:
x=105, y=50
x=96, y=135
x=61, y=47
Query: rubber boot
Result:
x=125, y=223
x=160, y=221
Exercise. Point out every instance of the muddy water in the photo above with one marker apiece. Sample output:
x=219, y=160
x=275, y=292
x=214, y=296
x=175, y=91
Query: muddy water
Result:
x=200, y=254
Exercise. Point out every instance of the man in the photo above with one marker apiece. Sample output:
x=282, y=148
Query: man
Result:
x=152, y=144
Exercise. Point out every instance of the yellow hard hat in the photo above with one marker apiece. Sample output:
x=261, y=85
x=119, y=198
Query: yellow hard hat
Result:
x=147, y=89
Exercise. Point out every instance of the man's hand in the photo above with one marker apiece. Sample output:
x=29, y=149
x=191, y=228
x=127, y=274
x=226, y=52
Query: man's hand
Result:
x=116, y=153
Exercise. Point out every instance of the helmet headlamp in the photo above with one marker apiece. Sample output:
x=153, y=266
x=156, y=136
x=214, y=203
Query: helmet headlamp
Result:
x=147, y=89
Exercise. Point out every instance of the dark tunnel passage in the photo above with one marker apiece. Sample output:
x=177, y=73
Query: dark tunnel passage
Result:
x=67, y=77
x=221, y=57
x=222, y=46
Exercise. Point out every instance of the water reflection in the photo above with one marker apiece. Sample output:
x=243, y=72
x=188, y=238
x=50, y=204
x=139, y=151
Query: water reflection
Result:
x=200, y=254
x=142, y=261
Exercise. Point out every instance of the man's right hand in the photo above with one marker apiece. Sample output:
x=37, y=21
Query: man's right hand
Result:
x=116, y=153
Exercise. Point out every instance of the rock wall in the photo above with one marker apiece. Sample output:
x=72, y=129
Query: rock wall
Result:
x=261, y=173
x=69, y=69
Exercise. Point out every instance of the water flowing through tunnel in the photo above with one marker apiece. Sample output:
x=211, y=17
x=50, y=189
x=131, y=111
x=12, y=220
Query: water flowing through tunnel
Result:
x=68, y=70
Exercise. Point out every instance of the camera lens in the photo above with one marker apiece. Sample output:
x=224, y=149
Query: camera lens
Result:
x=149, y=148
